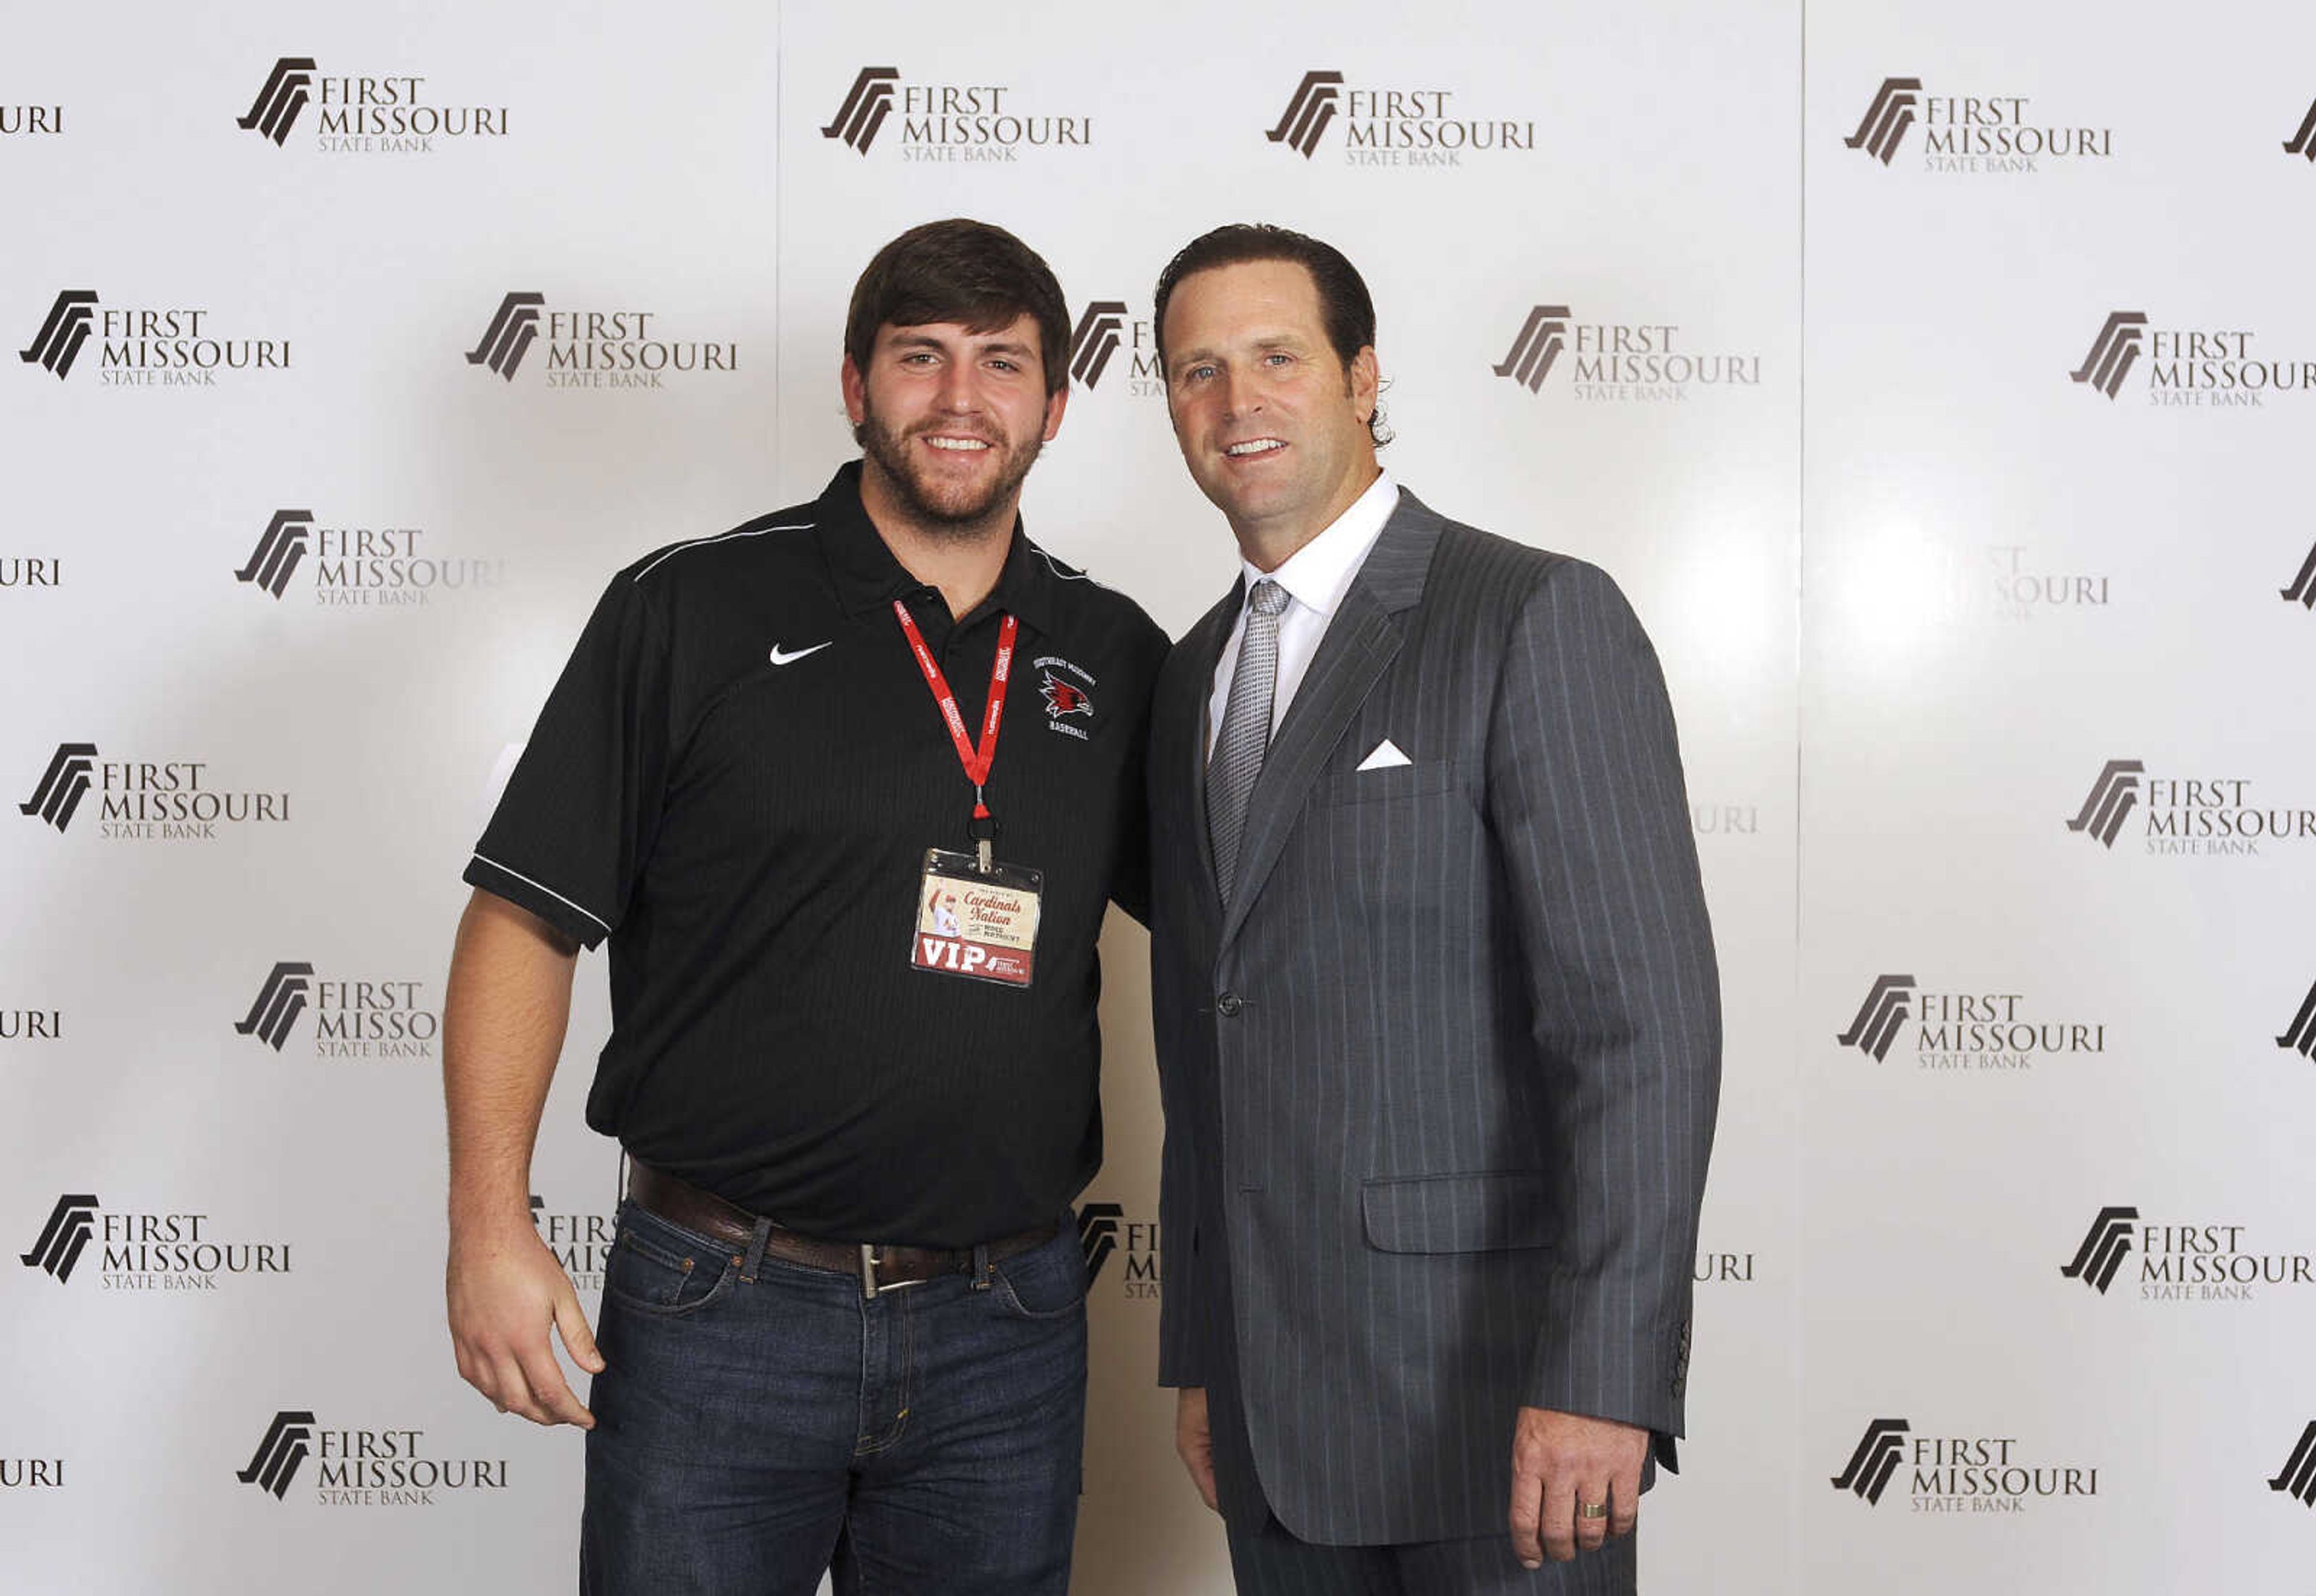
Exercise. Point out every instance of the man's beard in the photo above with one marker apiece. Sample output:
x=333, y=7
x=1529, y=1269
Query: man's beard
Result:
x=953, y=511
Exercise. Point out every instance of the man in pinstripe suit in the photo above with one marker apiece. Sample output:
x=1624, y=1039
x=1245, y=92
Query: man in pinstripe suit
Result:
x=1436, y=1011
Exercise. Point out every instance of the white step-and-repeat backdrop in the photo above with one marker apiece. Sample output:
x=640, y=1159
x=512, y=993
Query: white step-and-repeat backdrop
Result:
x=1935, y=382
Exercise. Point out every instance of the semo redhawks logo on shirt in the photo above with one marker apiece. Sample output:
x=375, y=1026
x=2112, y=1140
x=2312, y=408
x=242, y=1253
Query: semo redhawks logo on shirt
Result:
x=1065, y=699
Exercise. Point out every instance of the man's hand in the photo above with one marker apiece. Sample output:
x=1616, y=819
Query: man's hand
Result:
x=504, y=1290
x=1194, y=1441
x=1560, y=1460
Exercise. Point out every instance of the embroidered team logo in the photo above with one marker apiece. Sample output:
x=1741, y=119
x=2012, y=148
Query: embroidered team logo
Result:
x=1065, y=698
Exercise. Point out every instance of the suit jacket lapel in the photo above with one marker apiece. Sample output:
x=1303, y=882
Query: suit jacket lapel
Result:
x=1361, y=641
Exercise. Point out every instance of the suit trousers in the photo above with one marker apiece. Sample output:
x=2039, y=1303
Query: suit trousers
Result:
x=1268, y=1561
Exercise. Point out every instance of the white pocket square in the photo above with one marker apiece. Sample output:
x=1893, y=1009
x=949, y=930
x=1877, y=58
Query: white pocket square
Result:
x=1386, y=756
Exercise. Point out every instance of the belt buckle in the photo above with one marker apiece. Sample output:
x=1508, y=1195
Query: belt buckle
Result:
x=870, y=1286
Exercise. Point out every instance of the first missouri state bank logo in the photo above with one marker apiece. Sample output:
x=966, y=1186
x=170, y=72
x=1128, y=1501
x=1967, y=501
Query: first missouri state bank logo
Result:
x=174, y=800
x=145, y=346
x=1886, y=120
x=287, y=1444
x=948, y=121
x=1875, y=1459
x=1109, y=337
x=1394, y=125
x=280, y=101
x=2300, y=1037
x=1095, y=339
x=1308, y=113
x=1104, y=1233
x=2304, y=142
x=2112, y=796
x=514, y=329
x=62, y=786
x=358, y=567
x=1535, y=347
x=2114, y=352
x=2204, y=816
x=594, y=348
x=1097, y=1235
x=1632, y=362
x=1880, y=1016
x=362, y=113
x=2297, y=1477
x=1956, y=1031
x=57, y=344
x=63, y=1238
x=280, y=1001
x=865, y=106
x=279, y=550
x=2105, y=1245
x=2202, y=1260
x=146, y=1251
x=361, y=1467
x=2302, y=591
x=1953, y=1474
x=2207, y=367
x=353, y=1019
x=1969, y=133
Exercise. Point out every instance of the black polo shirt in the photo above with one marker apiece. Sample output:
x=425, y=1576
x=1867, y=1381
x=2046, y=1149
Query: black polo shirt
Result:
x=737, y=779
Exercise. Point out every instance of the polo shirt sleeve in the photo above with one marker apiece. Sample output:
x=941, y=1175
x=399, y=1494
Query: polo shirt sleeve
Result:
x=570, y=834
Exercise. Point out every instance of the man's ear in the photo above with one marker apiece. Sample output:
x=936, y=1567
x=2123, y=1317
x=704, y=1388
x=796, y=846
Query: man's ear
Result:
x=856, y=392
x=1367, y=382
x=1059, y=403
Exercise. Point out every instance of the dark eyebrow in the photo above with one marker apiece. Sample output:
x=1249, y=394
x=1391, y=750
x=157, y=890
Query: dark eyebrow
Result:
x=1262, y=345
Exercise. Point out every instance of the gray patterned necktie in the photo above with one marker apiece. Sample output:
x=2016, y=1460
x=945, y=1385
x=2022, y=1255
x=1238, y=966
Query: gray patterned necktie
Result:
x=1237, y=758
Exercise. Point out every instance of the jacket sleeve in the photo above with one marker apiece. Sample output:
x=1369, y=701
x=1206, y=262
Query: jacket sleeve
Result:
x=1588, y=809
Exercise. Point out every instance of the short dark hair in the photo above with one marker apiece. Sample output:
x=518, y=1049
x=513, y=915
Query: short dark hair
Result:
x=1345, y=307
x=972, y=274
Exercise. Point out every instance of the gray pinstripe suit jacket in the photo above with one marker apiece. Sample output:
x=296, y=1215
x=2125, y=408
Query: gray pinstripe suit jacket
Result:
x=1439, y=1082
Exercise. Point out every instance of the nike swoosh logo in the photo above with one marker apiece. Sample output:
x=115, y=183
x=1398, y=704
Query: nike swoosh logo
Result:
x=781, y=658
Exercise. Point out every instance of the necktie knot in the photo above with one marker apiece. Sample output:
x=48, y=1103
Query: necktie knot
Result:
x=1268, y=598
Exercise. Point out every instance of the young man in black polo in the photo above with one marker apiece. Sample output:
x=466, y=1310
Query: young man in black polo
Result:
x=852, y=906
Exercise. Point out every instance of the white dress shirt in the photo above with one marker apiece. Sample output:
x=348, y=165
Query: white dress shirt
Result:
x=1315, y=576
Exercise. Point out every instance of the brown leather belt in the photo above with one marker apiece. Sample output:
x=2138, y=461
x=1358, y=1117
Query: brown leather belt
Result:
x=680, y=1203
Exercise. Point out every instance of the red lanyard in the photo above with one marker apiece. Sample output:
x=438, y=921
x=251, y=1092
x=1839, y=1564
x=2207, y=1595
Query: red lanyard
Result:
x=976, y=763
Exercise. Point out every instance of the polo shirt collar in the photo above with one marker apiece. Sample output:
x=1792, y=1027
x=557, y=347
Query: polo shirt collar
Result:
x=868, y=577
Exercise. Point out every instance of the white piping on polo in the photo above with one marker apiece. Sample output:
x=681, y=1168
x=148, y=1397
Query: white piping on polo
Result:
x=543, y=887
x=702, y=541
x=1068, y=574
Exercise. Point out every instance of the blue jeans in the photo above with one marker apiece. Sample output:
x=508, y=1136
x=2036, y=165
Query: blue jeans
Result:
x=753, y=1431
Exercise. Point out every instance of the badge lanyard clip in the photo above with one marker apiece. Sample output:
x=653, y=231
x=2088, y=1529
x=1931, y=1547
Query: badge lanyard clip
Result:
x=982, y=830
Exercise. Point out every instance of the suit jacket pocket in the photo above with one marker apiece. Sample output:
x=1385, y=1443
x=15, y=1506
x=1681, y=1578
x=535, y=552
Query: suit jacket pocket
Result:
x=1459, y=1213
x=1397, y=781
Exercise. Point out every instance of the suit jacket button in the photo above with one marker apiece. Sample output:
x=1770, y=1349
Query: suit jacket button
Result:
x=1227, y=1005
